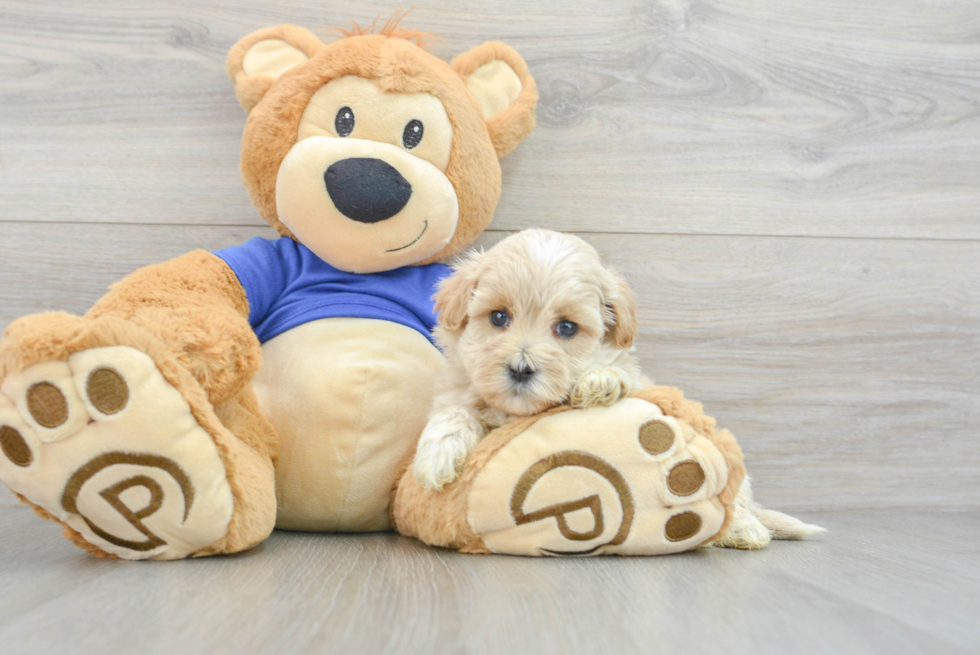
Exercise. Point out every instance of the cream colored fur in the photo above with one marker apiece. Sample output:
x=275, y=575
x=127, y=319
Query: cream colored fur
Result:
x=540, y=278
x=338, y=458
x=754, y=526
x=490, y=508
x=175, y=509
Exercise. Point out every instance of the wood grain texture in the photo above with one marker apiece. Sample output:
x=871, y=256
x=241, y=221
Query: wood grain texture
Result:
x=847, y=368
x=857, y=590
x=835, y=118
x=793, y=188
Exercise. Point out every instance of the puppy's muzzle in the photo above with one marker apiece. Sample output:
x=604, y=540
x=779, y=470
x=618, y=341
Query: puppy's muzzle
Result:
x=366, y=190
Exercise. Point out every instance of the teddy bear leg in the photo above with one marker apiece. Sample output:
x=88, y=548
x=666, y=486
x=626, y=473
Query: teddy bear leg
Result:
x=103, y=429
x=629, y=479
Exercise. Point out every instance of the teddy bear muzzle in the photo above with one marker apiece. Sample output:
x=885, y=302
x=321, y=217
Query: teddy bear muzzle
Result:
x=366, y=190
x=365, y=206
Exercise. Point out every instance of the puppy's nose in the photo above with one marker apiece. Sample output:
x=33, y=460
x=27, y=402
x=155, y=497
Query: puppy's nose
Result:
x=520, y=373
x=366, y=190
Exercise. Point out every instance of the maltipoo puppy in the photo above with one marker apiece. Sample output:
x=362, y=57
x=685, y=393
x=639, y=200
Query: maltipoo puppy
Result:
x=536, y=321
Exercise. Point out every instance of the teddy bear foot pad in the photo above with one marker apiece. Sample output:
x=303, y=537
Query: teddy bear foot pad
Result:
x=624, y=480
x=106, y=445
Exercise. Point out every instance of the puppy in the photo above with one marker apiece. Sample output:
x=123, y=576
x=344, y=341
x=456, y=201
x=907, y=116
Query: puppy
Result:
x=535, y=322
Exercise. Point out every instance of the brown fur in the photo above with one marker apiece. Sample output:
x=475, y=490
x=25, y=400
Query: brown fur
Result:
x=391, y=29
x=250, y=90
x=124, y=317
x=76, y=538
x=67, y=531
x=440, y=518
x=397, y=66
x=511, y=126
x=190, y=315
x=196, y=306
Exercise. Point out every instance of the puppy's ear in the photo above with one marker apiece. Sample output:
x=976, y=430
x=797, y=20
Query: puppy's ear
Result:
x=456, y=291
x=619, y=300
x=258, y=59
x=500, y=83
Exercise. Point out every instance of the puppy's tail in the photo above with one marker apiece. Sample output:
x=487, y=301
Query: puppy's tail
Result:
x=784, y=526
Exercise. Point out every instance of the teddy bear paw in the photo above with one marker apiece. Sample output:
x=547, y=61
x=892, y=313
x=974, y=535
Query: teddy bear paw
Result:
x=624, y=479
x=103, y=443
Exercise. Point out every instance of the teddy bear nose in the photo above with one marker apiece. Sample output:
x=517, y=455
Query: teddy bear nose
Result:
x=366, y=190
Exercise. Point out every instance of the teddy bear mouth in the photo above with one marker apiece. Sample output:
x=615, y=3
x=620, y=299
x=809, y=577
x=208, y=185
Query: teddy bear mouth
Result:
x=414, y=241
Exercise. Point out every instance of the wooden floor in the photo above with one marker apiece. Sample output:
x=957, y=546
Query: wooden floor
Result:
x=792, y=187
x=880, y=582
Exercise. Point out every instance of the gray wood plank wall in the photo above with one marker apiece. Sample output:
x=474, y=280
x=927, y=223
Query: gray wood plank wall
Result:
x=792, y=187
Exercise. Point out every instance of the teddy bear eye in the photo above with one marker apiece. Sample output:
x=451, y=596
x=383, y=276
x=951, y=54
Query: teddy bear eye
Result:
x=499, y=318
x=413, y=133
x=344, y=123
x=566, y=329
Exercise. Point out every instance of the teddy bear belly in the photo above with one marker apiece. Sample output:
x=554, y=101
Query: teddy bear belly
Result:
x=349, y=398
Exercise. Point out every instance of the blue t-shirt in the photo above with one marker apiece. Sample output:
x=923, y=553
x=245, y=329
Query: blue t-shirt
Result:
x=287, y=285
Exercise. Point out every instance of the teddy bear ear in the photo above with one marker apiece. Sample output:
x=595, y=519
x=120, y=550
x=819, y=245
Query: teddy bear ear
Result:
x=258, y=59
x=503, y=89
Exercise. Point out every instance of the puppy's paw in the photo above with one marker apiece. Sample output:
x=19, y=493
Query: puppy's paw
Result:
x=443, y=447
x=437, y=462
x=599, y=388
x=745, y=533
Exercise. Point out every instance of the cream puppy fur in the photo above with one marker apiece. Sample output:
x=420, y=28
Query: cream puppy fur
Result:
x=538, y=321
x=535, y=322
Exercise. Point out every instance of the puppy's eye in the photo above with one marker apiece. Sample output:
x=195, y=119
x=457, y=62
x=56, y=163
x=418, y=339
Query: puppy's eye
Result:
x=566, y=329
x=344, y=123
x=499, y=318
x=412, y=135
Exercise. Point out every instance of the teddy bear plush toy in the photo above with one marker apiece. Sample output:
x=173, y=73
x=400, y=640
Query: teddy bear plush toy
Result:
x=283, y=383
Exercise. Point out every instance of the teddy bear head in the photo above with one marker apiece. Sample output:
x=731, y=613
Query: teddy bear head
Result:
x=372, y=152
